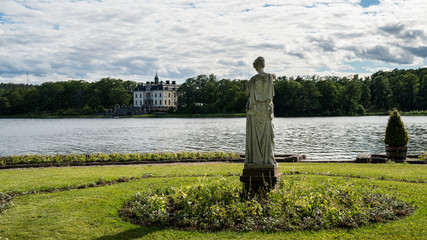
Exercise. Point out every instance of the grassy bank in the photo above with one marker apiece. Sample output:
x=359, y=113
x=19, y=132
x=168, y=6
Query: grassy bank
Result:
x=92, y=213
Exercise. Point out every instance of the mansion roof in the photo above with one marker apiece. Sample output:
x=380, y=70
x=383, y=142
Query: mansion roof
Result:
x=153, y=87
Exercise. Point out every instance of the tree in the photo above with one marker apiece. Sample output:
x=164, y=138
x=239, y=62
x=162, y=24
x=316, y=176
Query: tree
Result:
x=350, y=98
x=15, y=98
x=32, y=100
x=396, y=133
x=405, y=88
x=287, y=101
x=119, y=96
x=4, y=106
x=205, y=94
x=366, y=94
x=422, y=94
x=51, y=96
x=381, y=93
x=309, y=98
x=187, y=95
x=328, y=97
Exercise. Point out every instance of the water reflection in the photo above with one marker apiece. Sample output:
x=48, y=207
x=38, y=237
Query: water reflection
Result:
x=319, y=138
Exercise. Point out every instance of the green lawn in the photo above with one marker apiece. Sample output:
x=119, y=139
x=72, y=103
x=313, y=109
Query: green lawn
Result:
x=92, y=213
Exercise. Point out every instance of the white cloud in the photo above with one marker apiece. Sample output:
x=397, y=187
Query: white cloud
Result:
x=60, y=39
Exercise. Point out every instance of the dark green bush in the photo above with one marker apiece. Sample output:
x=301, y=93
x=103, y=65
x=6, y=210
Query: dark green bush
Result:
x=296, y=205
x=396, y=133
x=100, y=109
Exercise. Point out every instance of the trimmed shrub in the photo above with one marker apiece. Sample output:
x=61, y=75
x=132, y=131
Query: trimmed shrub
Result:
x=396, y=133
x=57, y=160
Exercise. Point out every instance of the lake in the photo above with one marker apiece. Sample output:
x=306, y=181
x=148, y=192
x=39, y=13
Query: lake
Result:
x=322, y=138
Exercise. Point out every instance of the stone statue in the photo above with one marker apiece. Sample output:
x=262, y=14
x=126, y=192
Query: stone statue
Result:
x=259, y=116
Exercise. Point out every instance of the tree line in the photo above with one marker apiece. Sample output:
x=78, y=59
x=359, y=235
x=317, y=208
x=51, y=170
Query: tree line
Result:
x=312, y=95
x=74, y=97
x=207, y=94
x=300, y=96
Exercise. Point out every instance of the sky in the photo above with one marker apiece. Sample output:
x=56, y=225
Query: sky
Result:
x=60, y=40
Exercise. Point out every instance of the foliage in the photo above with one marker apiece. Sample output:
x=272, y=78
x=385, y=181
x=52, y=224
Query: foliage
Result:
x=5, y=202
x=312, y=95
x=74, y=97
x=205, y=94
x=396, y=133
x=115, y=157
x=300, y=96
x=296, y=205
x=423, y=157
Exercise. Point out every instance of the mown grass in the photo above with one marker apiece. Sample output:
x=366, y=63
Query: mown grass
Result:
x=92, y=213
x=42, y=178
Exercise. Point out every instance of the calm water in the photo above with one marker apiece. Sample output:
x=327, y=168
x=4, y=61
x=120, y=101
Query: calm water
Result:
x=333, y=138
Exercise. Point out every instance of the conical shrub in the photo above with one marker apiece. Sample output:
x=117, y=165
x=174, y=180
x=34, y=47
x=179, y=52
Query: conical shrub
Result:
x=396, y=133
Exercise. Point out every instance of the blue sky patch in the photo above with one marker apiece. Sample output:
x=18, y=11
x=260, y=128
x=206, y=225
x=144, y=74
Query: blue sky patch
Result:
x=2, y=20
x=368, y=3
x=371, y=67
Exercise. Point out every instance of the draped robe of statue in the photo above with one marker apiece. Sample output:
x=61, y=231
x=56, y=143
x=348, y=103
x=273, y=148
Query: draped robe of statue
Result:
x=259, y=125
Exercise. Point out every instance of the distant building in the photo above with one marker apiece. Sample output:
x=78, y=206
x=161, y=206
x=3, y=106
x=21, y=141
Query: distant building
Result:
x=156, y=96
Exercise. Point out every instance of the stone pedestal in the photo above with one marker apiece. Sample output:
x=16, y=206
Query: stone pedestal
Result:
x=260, y=179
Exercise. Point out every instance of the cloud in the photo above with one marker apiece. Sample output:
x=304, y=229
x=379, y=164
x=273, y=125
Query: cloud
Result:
x=401, y=31
x=64, y=39
x=418, y=51
x=388, y=54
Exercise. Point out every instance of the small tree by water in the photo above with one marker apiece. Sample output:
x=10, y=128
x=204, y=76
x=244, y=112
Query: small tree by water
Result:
x=396, y=133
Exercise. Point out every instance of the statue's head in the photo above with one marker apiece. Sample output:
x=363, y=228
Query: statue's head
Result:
x=259, y=63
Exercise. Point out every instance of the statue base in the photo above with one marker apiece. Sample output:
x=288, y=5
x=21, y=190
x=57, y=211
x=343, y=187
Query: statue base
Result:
x=260, y=179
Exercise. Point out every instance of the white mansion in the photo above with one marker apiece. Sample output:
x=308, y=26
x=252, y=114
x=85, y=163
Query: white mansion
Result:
x=156, y=96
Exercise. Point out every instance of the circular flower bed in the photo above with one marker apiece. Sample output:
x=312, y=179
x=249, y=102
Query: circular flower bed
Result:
x=298, y=203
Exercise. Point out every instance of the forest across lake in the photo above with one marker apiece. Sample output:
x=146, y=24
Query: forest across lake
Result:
x=301, y=96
